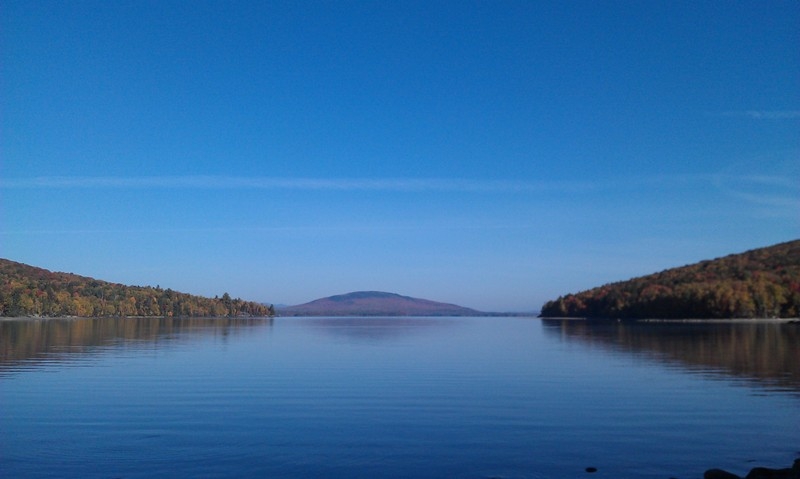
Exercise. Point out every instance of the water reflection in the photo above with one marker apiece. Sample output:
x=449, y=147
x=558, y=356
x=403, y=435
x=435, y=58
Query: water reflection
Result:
x=377, y=329
x=766, y=353
x=34, y=341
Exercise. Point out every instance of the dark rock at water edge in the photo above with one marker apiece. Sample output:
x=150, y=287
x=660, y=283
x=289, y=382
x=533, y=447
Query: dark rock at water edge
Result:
x=719, y=474
x=758, y=473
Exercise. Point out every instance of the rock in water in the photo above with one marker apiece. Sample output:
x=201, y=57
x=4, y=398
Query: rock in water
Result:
x=767, y=473
x=719, y=474
x=758, y=473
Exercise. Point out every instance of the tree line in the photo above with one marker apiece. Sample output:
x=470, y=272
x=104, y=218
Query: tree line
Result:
x=30, y=291
x=762, y=283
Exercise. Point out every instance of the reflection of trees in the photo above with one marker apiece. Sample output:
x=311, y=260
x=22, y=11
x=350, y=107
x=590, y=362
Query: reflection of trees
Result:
x=24, y=340
x=766, y=352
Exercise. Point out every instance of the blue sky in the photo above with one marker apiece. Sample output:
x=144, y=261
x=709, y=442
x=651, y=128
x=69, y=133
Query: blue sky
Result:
x=491, y=154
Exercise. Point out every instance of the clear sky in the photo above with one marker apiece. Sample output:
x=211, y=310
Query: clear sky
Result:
x=493, y=154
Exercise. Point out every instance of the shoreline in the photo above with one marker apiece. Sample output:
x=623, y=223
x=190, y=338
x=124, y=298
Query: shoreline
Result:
x=574, y=319
x=683, y=320
x=75, y=318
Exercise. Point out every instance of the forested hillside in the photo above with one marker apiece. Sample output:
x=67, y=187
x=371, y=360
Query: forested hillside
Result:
x=761, y=283
x=29, y=291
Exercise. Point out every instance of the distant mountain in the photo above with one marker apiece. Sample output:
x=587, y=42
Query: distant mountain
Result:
x=30, y=291
x=761, y=283
x=375, y=303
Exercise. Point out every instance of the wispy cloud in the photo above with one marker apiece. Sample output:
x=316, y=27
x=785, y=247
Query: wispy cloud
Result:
x=274, y=183
x=401, y=185
x=344, y=184
x=758, y=180
x=765, y=190
x=336, y=229
x=765, y=114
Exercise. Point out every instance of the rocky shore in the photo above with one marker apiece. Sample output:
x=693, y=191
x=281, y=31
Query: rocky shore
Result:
x=758, y=473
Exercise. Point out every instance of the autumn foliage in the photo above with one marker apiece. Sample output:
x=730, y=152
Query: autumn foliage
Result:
x=762, y=283
x=29, y=291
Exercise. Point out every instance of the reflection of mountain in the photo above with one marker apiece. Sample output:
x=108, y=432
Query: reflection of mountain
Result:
x=376, y=328
x=765, y=352
x=54, y=340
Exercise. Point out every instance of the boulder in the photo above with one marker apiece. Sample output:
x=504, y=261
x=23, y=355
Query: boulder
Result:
x=719, y=474
x=758, y=473
x=767, y=473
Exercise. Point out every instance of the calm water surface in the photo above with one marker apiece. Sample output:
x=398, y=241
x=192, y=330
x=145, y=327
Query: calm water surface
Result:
x=395, y=397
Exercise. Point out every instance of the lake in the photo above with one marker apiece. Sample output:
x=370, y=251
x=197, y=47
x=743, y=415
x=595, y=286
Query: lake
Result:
x=395, y=398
